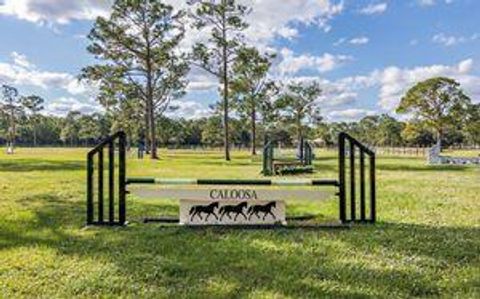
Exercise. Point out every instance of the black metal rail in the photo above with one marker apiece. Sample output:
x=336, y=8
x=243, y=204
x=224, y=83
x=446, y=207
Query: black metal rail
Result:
x=345, y=142
x=96, y=216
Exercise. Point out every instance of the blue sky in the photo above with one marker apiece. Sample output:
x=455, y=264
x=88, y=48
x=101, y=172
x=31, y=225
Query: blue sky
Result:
x=364, y=53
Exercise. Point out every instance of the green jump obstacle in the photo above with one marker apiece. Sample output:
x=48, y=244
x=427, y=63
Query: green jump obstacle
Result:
x=303, y=163
x=354, y=160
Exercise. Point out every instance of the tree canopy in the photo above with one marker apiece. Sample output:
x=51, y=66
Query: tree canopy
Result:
x=439, y=102
x=138, y=51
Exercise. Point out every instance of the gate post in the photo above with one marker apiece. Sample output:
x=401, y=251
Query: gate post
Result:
x=341, y=177
x=122, y=192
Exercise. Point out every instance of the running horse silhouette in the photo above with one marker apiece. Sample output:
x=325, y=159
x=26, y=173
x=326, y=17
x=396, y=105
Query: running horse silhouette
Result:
x=265, y=209
x=237, y=209
x=198, y=210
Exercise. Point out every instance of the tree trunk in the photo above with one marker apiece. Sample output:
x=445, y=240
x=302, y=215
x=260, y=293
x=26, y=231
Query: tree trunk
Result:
x=300, y=138
x=254, y=130
x=34, y=136
x=439, y=139
x=13, y=128
x=153, y=137
x=225, y=120
x=146, y=132
x=225, y=92
x=150, y=104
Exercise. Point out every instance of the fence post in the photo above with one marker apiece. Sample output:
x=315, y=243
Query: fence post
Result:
x=352, y=181
x=362, y=185
x=341, y=177
x=373, y=212
x=111, y=182
x=121, y=179
x=100, y=186
x=89, y=189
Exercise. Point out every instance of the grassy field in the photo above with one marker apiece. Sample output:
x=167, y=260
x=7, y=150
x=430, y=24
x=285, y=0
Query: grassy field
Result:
x=426, y=243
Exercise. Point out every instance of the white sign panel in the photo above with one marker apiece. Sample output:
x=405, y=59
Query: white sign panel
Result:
x=232, y=212
x=222, y=193
x=220, y=205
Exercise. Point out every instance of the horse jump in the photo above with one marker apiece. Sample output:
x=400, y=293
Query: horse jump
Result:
x=356, y=188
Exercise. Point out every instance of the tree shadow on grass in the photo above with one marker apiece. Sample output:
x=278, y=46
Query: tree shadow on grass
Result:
x=219, y=262
x=24, y=165
x=426, y=168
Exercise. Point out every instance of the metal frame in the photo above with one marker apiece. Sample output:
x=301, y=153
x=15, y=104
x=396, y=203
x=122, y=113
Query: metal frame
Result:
x=98, y=152
x=116, y=144
x=306, y=156
x=353, y=147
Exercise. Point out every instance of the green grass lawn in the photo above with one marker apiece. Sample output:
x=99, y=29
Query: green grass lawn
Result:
x=426, y=242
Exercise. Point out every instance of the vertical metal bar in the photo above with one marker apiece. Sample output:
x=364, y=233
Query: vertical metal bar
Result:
x=89, y=189
x=266, y=158
x=362, y=185
x=373, y=212
x=121, y=178
x=341, y=177
x=100, y=186
x=352, y=181
x=111, y=182
x=301, y=150
x=270, y=159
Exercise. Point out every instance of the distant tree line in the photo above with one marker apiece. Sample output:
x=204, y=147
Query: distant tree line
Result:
x=31, y=128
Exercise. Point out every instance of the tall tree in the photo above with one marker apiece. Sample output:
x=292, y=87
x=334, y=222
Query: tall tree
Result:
x=418, y=134
x=211, y=131
x=92, y=127
x=70, y=128
x=300, y=106
x=138, y=46
x=270, y=113
x=439, y=102
x=11, y=108
x=250, y=85
x=226, y=20
x=33, y=105
x=471, y=127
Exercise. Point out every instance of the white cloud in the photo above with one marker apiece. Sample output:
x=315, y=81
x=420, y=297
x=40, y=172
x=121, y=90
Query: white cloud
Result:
x=426, y=2
x=340, y=98
x=188, y=110
x=451, y=40
x=21, y=60
x=340, y=42
x=373, y=9
x=352, y=114
x=433, y=2
x=361, y=40
x=63, y=105
x=394, y=82
x=199, y=80
x=23, y=73
x=269, y=18
x=54, y=11
x=292, y=64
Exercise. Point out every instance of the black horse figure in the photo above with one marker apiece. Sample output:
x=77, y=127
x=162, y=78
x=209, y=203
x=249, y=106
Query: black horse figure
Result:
x=265, y=209
x=209, y=210
x=237, y=209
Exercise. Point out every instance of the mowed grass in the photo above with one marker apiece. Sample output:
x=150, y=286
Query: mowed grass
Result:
x=426, y=242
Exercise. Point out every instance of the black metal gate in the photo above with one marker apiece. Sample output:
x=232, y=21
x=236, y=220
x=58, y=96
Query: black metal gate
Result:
x=114, y=148
x=348, y=148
